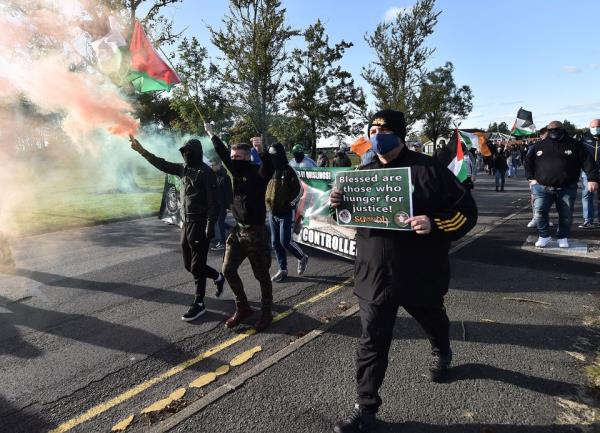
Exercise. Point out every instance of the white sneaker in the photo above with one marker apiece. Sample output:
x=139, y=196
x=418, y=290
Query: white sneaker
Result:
x=542, y=242
x=532, y=223
x=563, y=243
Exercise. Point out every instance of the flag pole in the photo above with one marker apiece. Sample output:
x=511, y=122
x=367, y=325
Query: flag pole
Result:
x=185, y=87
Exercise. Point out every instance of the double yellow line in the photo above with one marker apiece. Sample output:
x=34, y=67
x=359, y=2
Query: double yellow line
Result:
x=132, y=392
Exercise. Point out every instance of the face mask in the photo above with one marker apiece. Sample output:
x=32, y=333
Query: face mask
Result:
x=556, y=134
x=384, y=143
x=239, y=165
x=298, y=157
x=595, y=131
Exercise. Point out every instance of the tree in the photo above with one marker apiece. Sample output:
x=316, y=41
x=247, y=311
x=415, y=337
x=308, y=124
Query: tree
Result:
x=253, y=42
x=289, y=130
x=442, y=102
x=320, y=92
x=501, y=127
x=401, y=55
x=570, y=128
x=200, y=91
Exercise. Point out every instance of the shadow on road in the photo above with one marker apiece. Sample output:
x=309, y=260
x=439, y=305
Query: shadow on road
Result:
x=417, y=427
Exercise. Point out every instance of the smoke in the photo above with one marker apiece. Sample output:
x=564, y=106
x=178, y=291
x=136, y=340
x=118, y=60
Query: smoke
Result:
x=63, y=124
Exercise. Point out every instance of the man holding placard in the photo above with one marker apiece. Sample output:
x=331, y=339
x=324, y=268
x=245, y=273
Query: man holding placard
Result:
x=403, y=241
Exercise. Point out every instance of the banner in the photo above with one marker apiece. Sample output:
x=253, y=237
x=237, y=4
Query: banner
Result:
x=317, y=227
x=379, y=199
x=170, y=205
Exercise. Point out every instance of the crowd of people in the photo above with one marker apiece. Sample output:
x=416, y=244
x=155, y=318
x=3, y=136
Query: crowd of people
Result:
x=393, y=269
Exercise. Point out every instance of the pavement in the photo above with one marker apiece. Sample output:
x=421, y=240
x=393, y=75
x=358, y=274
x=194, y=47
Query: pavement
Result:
x=90, y=336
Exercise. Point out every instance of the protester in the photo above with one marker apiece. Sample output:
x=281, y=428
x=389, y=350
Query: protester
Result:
x=515, y=159
x=553, y=171
x=225, y=197
x=469, y=182
x=500, y=167
x=300, y=159
x=283, y=192
x=589, y=199
x=199, y=213
x=404, y=268
x=250, y=238
x=322, y=159
x=341, y=159
x=254, y=156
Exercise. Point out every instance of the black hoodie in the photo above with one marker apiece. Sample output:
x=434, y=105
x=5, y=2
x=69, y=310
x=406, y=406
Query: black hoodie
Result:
x=198, y=183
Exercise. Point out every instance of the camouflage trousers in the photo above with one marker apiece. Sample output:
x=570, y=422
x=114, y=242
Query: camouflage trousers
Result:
x=7, y=263
x=253, y=243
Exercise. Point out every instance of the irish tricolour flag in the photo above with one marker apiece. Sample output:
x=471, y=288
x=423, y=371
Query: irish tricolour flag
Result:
x=458, y=165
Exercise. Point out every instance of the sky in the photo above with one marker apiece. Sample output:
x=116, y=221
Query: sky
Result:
x=542, y=55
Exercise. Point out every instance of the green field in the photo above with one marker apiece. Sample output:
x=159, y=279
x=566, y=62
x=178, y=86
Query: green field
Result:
x=71, y=198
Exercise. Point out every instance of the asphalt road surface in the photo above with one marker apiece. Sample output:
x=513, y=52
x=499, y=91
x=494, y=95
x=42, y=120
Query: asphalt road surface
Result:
x=90, y=335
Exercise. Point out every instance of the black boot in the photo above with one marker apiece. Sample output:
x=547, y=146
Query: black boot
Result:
x=359, y=420
x=439, y=366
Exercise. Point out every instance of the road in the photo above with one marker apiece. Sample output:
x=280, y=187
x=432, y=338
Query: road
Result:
x=91, y=335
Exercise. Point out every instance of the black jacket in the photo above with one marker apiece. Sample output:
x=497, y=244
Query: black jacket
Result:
x=402, y=266
x=559, y=163
x=198, y=183
x=249, y=186
x=225, y=192
x=500, y=163
x=592, y=145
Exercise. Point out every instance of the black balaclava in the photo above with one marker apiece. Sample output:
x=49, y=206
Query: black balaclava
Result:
x=278, y=156
x=193, y=156
x=556, y=134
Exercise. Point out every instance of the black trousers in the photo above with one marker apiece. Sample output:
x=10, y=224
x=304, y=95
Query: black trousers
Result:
x=377, y=322
x=194, y=247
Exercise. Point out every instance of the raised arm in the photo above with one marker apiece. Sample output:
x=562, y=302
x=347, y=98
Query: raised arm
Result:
x=219, y=146
x=160, y=163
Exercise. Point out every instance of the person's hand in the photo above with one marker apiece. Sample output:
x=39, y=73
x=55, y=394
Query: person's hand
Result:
x=210, y=230
x=592, y=186
x=533, y=182
x=135, y=145
x=257, y=143
x=209, y=129
x=421, y=224
x=336, y=196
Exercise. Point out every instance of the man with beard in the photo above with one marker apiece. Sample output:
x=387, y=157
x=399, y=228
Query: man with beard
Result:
x=199, y=212
x=249, y=238
x=553, y=171
x=404, y=268
x=283, y=192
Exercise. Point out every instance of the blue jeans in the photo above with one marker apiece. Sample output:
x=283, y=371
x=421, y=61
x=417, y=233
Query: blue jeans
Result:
x=544, y=197
x=500, y=178
x=281, y=239
x=588, y=201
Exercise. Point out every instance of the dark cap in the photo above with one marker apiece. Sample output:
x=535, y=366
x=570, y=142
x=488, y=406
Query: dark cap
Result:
x=390, y=119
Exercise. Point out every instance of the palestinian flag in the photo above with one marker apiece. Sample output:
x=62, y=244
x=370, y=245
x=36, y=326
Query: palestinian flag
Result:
x=523, y=125
x=148, y=71
x=458, y=165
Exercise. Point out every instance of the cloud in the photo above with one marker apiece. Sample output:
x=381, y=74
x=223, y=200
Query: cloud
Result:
x=595, y=66
x=571, y=69
x=392, y=13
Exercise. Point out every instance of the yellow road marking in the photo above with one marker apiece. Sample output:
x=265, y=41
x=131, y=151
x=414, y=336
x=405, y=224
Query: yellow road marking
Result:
x=224, y=369
x=244, y=357
x=122, y=425
x=203, y=380
x=132, y=392
x=161, y=404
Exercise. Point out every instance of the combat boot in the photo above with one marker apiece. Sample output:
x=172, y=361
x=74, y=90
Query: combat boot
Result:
x=439, y=366
x=359, y=420
x=242, y=311
x=265, y=318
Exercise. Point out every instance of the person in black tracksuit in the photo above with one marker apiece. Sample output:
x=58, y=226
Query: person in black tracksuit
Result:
x=199, y=211
x=404, y=268
x=250, y=238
